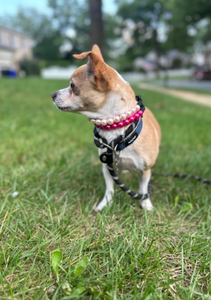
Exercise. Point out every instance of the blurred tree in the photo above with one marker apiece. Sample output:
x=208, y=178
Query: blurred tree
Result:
x=71, y=18
x=143, y=26
x=48, y=48
x=189, y=23
x=96, y=32
x=159, y=26
x=68, y=26
x=30, y=21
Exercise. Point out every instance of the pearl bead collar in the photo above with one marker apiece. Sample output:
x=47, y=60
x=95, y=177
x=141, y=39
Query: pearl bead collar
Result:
x=120, y=120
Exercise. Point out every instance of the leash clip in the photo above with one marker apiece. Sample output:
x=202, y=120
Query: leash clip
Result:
x=106, y=157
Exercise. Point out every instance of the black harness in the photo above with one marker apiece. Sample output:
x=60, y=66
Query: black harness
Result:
x=118, y=144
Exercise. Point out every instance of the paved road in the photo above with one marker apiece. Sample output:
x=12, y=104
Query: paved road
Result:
x=188, y=84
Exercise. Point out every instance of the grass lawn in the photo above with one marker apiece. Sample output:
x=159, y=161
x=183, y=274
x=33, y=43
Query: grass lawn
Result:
x=49, y=158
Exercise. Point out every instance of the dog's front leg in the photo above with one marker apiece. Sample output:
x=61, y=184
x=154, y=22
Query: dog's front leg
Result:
x=144, y=179
x=109, y=189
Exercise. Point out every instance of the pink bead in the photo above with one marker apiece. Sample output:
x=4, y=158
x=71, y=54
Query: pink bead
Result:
x=98, y=126
x=107, y=127
x=126, y=122
x=131, y=119
x=120, y=124
x=140, y=112
x=102, y=127
x=114, y=126
x=136, y=116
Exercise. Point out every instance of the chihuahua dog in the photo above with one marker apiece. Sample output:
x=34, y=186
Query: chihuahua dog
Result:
x=101, y=94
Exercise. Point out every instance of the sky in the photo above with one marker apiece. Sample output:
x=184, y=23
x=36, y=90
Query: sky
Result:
x=11, y=6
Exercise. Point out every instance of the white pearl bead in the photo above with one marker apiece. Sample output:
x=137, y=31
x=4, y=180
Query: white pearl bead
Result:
x=117, y=119
x=110, y=121
x=92, y=121
x=98, y=122
x=133, y=110
x=123, y=117
x=137, y=107
x=129, y=113
x=104, y=122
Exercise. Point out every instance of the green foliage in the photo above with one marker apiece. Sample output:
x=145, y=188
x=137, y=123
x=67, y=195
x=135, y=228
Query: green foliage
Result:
x=30, y=67
x=76, y=284
x=56, y=259
x=145, y=17
x=186, y=17
x=29, y=21
x=81, y=267
x=48, y=47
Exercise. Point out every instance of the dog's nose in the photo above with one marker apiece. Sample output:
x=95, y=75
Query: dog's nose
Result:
x=53, y=95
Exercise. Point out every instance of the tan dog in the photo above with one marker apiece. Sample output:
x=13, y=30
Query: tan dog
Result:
x=100, y=93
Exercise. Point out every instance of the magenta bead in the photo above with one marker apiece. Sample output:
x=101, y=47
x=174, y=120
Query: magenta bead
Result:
x=107, y=127
x=131, y=119
x=140, y=112
x=136, y=116
x=126, y=122
x=102, y=127
x=114, y=126
x=120, y=124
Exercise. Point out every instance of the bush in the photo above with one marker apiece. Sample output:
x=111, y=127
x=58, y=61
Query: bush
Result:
x=30, y=67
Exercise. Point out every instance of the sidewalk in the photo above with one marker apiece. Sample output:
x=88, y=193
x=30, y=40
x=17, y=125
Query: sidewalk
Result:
x=198, y=98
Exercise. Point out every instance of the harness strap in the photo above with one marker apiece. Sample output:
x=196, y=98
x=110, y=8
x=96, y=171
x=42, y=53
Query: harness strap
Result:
x=132, y=138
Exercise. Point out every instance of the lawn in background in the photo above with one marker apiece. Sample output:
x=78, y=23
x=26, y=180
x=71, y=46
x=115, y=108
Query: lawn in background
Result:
x=48, y=157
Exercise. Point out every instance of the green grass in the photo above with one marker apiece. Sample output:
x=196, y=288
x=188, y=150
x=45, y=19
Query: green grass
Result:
x=122, y=253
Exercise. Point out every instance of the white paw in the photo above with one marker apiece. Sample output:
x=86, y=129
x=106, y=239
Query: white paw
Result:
x=101, y=205
x=147, y=204
x=98, y=208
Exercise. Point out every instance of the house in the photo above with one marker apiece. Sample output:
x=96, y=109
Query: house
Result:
x=202, y=56
x=14, y=47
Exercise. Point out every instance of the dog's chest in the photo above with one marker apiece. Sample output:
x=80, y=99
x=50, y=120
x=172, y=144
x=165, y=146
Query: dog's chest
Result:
x=128, y=160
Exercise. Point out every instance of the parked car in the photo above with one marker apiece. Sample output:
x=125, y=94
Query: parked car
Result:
x=201, y=73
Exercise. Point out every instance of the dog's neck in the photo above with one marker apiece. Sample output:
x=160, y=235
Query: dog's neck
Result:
x=114, y=106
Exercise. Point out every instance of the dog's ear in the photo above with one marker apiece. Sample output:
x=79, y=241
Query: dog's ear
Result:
x=97, y=68
x=96, y=49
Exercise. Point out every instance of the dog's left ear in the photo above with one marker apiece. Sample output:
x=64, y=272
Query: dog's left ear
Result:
x=96, y=49
x=98, y=70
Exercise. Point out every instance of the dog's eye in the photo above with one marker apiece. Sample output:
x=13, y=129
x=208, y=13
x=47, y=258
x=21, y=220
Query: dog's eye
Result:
x=72, y=85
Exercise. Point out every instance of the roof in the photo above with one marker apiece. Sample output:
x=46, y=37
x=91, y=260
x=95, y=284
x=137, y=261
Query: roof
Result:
x=14, y=31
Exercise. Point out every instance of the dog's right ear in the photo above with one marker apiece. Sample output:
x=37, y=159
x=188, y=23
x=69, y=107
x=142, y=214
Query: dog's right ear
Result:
x=97, y=68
